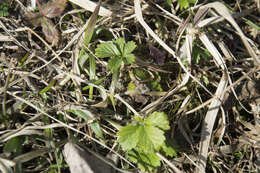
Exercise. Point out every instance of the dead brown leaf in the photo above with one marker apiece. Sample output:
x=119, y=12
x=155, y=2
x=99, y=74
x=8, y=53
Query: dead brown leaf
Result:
x=54, y=8
x=50, y=10
x=50, y=32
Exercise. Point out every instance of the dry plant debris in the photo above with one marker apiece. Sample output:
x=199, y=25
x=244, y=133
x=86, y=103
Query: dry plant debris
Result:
x=129, y=86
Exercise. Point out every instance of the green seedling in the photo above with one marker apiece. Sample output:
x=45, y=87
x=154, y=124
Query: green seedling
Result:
x=120, y=53
x=143, y=138
x=88, y=36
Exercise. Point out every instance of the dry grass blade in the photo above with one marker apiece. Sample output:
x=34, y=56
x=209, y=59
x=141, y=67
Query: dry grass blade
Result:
x=5, y=165
x=12, y=37
x=201, y=13
x=140, y=19
x=5, y=38
x=213, y=50
x=175, y=18
x=222, y=10
x=22, y=132
x=217, y=19
x=209, y=123
x=28, y=130
x=75, y=38
x=139, y=16
x=149, y=108
x=174, y=168
x=127, y=105
x=218, y=59
x=90, y=6
x=31, y=155
x=227, y=53
x=188, y=45
x=165, y=111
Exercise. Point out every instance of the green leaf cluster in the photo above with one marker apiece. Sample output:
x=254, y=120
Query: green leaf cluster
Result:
x=145, y=161
x=119, y=51
x=4, y=9
x=143, y=138
x=185, y=3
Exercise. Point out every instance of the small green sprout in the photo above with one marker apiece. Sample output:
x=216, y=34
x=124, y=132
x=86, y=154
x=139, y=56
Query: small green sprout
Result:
x=119, y=51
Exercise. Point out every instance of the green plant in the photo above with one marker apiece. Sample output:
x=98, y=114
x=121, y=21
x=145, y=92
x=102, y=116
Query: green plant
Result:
x=88, y=56
x=185, y=3
x=4, y=10
x=143, y=138
x=120, y=52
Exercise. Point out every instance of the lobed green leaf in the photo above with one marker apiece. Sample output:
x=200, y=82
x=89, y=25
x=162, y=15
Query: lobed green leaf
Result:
x=151, y=138
x=129, y=58
x=129, y=47
x=120, y=42
x=114, y=63
x=169, y=150
x=107, y=49
x=129, y=136
x=146, y=161
x=159, y=119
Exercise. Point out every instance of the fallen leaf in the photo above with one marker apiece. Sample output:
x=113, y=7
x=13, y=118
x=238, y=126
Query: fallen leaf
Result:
x=50, y=32
x=54, y=8
x=80, y=161
x=34, y=18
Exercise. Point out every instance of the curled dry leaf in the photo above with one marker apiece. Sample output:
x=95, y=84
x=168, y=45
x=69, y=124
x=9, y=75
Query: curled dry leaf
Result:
x=54, y=8
x=29, y=15
x=33, y=18
x=50, y=32
x=50, y=10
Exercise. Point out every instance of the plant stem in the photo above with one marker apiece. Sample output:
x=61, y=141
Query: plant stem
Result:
x=92, y=74
x=114, y=81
